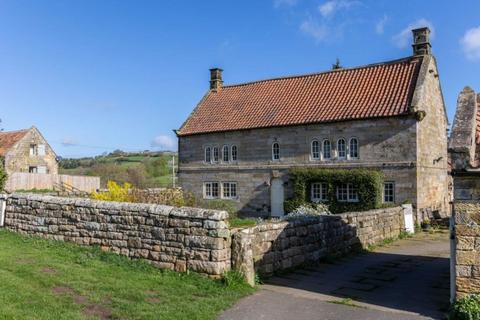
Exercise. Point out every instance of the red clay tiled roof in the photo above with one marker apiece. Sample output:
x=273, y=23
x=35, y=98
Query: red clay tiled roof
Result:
x=8, y=139
x=371, y=91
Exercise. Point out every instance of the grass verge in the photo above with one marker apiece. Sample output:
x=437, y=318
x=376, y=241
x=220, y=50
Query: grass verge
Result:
x=43, y=279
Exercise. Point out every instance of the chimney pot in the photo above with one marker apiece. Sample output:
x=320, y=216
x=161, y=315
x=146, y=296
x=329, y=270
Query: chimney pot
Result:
x=421, y=41
x=216, y=81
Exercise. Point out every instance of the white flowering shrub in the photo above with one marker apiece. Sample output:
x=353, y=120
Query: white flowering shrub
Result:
x=308, y=211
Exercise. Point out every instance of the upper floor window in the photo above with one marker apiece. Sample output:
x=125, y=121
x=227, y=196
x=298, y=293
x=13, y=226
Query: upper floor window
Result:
x=275, y=151
x=342, y=148
x=327, y=149
x=318, y=192
x=347, y=192
x=208, y=154
x=37, y=149
x=389, y=192
x=215, y=154
x=234, y=153
x=226, y=153
x=353, y=148
x=315, y=150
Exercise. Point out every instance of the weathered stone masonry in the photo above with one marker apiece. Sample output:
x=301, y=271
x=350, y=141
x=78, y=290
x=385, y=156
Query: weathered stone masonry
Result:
x=467, y=251
x=172, y=238
x=197, y=239
x=272, y=247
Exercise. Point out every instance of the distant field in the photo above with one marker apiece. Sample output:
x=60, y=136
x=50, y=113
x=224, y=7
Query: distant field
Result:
x=142, y=171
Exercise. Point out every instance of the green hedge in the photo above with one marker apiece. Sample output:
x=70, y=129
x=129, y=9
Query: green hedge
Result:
x=369, y=184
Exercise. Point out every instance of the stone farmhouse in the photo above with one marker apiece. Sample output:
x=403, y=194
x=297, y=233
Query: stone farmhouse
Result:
x=241, y=140
x=464, y=146
x=27, y=151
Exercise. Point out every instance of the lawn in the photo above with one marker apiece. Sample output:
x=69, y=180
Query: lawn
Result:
x=42, y=279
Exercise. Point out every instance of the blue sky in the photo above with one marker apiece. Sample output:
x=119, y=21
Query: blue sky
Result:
x=95, y=75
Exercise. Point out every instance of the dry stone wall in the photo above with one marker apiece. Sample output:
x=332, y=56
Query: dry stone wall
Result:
x=272, y=247
x=467, y=247
x=169, y=237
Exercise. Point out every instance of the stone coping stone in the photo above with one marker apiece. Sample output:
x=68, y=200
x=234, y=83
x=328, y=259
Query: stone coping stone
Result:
x=124, y=207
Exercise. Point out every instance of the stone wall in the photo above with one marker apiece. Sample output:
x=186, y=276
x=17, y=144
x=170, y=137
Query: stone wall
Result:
x=272, y=247
x=467, y=247
x=169, y=237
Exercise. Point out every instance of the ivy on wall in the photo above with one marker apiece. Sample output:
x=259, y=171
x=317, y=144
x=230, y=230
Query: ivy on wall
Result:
x=3, y=175
x=369, y=184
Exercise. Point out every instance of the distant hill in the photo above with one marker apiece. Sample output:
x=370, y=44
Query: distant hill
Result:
x=146, y=169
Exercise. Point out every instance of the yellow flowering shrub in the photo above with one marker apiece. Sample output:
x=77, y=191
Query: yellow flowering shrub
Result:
x=115, y=192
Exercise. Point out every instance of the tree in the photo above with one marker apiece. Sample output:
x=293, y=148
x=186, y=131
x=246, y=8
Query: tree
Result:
x=3, y=176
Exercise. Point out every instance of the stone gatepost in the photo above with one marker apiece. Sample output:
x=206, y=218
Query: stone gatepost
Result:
x=242, y=254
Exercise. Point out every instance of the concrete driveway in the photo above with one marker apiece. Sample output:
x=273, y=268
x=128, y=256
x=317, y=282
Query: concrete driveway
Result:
x=408, y=279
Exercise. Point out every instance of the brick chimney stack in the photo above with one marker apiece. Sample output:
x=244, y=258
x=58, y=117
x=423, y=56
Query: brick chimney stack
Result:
x=421, y=41
x=216, y=82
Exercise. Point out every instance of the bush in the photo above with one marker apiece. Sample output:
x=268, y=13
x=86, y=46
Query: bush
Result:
x=308, y=211
x=467, y=308
x=369, y=184
x=115, y=193
x=3, y=177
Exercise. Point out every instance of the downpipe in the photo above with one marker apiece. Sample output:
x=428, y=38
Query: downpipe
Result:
x=3, y=207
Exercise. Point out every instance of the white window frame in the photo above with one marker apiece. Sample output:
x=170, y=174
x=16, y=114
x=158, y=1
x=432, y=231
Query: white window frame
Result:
x=41, y=149
x=208, y=151
x=33, y=150
x=322, y=192
x=42, y=169
x=215, y=154
x=344, y=149
x=312, y=152
x=208, y=188
x=32, y=169
x=229, y=190
x=225, y=147
x=234, y=147
x=275, y=157
x=392, y=189
x=350, y=148
x=329, y=149
x=349, y=191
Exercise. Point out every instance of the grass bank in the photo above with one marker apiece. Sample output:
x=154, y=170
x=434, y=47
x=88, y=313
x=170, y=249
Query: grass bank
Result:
x=42, y=279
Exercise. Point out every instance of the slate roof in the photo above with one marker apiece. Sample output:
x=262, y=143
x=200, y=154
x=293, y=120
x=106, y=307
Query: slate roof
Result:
x=8, y=139
x=372, y=91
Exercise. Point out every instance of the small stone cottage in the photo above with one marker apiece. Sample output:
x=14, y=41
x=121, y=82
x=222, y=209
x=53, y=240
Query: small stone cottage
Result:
x=27, y=151
x=240, y=141
x=464, y=146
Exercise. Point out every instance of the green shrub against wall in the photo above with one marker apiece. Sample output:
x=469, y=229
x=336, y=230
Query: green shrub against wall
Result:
x=3, y=175
x=369, y=184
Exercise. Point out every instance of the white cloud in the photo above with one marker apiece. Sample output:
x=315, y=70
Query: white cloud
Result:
x=164, y=142
x=403, y=38
x=380, y=26
x=471, y=43
x=330, y=7
x=286, y=3
x=318, y=31
x=69, y=142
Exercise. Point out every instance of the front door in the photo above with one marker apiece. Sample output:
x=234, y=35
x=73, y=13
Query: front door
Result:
x=277, y=198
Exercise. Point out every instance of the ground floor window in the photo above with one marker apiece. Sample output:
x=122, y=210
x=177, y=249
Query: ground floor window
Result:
x=318, y=192
x=229, y=190
x=347, y=192
x=223, y=190
x=389, y=192
x=210, y=190
x=33, y=170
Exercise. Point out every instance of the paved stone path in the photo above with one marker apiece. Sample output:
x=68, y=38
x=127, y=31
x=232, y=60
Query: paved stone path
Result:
x=405, y=280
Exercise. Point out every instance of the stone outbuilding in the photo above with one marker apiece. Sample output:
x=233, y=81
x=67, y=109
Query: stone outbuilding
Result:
x=464, y=146
x=241, y=140
x=27, y=151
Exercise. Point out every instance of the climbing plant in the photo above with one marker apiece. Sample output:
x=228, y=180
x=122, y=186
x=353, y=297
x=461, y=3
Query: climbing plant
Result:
x=369, y=185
